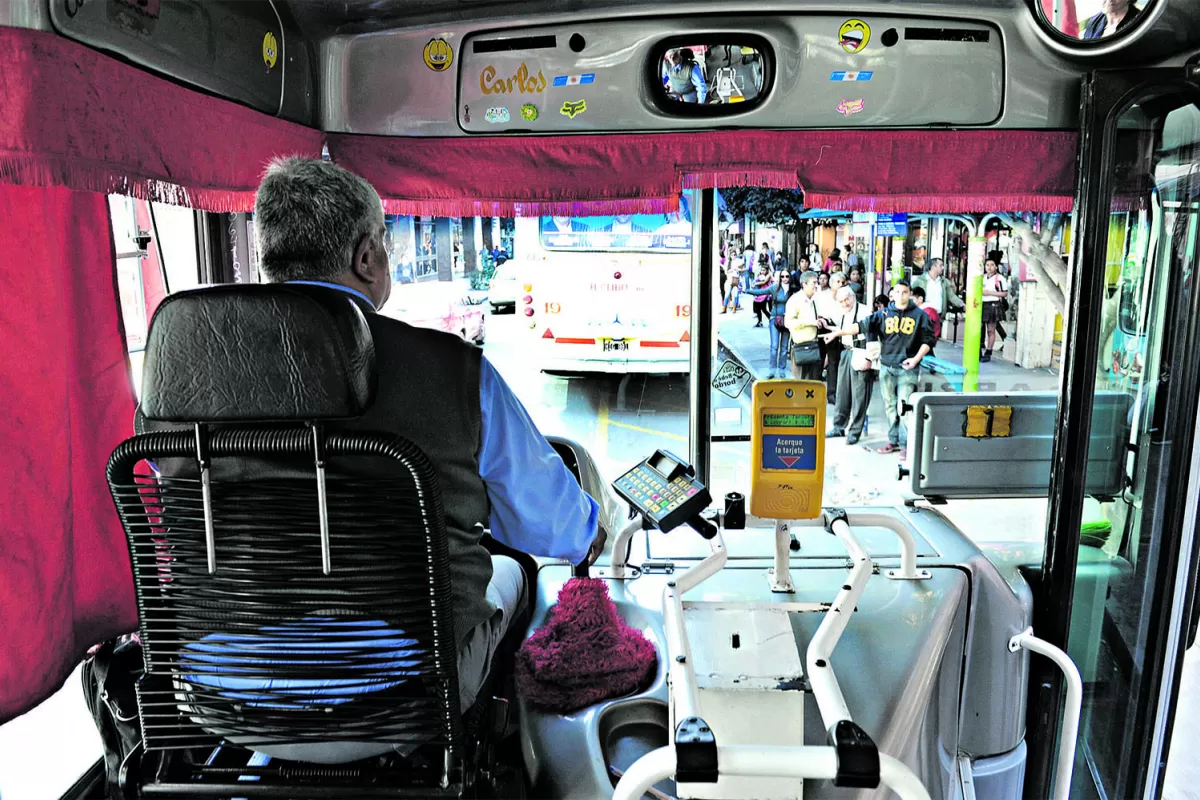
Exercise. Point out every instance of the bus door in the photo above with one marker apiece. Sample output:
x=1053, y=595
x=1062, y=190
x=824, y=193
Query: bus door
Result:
x=1136, y=332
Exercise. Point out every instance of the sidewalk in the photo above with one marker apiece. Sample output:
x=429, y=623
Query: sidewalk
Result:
x=752, y=347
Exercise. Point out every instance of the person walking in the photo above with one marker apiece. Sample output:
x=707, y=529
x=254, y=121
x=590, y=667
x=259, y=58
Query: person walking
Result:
x=733, y=284
x=995, y=290
x=935, y=319
x=800, y=317
x=828, y=311
x=856, y=374
x=781, y=292
x=762, y=302
x=906, y=336
x=939, y=291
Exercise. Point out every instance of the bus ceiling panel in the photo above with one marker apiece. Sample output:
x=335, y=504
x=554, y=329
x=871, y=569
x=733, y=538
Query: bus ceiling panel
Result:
x=248, y=51
x=832, y=72
x=911, y=69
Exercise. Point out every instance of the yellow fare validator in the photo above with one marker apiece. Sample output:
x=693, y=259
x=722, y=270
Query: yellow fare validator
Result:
x=788, y=467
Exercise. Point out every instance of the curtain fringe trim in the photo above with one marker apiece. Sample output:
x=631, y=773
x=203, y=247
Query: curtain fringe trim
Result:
x=940, y=203
x=771, y=179
x=532, y=208
x=25, y=170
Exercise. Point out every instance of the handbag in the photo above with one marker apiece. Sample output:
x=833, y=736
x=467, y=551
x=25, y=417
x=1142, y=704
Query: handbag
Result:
x=806, y=353
x=779, y=323
x=109, y=677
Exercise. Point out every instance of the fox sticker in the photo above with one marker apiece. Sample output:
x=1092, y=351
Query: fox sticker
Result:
x=573, y=108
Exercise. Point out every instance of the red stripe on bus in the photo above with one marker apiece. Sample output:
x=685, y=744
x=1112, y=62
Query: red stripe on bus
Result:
x=568, y=340
x=659, y=344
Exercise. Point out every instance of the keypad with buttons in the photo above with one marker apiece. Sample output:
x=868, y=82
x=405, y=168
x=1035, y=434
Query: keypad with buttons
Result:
x=666, y=502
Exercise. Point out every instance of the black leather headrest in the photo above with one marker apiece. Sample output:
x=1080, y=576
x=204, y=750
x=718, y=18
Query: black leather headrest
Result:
x=258, y=352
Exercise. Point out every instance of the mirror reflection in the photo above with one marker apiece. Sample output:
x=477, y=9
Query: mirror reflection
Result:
x=1093, y=19
x=712, y=74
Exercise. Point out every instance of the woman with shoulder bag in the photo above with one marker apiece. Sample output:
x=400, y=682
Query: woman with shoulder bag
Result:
x=800, y=317
x=781, y=290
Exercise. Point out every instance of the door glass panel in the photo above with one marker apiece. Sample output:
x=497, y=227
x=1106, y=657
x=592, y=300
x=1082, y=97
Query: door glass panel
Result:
x=1153, y=225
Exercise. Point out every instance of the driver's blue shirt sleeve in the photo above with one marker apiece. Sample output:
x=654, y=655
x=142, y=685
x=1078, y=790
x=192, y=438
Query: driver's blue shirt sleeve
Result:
x=698, y=82
x=537, y=505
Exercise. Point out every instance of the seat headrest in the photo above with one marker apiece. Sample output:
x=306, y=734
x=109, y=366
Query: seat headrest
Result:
x=258, y=352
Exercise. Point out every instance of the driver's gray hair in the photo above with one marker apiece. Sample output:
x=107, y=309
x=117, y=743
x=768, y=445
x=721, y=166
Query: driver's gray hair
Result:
x=937, y=262
x=842, y=293
x=309, y=215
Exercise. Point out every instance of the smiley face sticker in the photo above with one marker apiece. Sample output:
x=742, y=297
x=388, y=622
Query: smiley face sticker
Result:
x=438, y=55
x=270, y=50
x=854, y=35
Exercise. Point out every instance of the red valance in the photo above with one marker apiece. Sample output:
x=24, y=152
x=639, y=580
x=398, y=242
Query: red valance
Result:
x=70, y=116
x=931, y=171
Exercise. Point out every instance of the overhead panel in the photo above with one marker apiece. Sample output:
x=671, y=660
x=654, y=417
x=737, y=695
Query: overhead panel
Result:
x=238, y=49
x=821, y=71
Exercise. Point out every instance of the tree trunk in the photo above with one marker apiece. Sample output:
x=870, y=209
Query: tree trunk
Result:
x=487, y=234
x=470, y=255
x=1047, y=266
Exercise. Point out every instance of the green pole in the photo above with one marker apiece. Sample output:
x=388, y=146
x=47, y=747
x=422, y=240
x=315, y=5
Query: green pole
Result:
x=973, y=318
x=897, y=258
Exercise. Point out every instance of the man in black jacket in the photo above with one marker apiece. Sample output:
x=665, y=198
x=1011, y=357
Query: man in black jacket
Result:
x=906, y=336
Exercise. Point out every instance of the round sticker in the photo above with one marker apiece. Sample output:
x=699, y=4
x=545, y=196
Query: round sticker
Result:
x=438, y=55
x=854, y=35
x=270, y=50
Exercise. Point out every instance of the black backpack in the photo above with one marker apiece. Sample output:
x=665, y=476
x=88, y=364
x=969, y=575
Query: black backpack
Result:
x=110, y=675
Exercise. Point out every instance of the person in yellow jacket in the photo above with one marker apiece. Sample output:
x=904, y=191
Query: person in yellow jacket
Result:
x=801, y=320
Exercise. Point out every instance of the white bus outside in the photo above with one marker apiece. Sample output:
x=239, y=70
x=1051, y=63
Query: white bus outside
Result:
x=607, y=294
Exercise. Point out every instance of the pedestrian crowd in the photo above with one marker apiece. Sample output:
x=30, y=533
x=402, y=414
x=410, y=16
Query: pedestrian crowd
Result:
x=821, y=328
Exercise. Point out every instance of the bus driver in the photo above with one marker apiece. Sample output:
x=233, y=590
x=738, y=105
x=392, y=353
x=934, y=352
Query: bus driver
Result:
x=316, y=223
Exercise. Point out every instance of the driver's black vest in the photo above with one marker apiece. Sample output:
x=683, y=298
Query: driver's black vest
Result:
x=428, y=393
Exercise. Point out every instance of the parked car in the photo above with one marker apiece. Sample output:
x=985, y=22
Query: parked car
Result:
x=503, y=289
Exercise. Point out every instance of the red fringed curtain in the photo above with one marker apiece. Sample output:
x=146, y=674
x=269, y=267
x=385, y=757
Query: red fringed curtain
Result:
x=74, y=126
x=70, y=116
x=932, y=171
x=66, y=403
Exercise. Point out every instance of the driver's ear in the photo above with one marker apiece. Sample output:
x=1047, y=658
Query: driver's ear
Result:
x=360, y=264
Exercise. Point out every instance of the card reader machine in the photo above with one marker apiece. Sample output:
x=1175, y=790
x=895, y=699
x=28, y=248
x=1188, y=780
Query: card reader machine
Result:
x=788, y=449
x=664, y=490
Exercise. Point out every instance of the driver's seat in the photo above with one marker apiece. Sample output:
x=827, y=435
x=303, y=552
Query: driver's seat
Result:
x=292, y=579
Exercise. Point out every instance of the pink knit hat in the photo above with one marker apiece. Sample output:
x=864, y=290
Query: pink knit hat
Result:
x=584, y=653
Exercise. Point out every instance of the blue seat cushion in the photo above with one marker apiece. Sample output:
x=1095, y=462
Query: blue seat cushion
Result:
x=364, y=655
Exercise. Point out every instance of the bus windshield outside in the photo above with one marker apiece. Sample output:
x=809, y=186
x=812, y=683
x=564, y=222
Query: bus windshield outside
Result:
x=607, y=294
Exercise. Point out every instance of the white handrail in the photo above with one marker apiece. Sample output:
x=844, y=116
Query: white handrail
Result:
x=620, y=547
x=811, y=763
x=1070, y=732
x=817, y=658
x=680, y=670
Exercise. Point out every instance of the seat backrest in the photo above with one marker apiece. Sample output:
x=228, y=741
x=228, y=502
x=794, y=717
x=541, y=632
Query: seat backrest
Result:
x=305, y=601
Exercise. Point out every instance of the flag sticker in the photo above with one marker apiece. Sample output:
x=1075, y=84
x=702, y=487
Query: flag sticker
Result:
x=851, y=76
x=575, y=80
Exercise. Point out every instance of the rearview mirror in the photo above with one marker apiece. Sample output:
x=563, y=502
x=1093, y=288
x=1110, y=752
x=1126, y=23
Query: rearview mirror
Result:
x=710, y=78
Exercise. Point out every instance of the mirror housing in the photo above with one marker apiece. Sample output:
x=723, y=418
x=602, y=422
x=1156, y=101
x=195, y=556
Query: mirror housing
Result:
x=711, y=75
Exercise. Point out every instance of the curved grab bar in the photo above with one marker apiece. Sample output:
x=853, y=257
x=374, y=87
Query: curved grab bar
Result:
x=620, y=547
x=1070, y=730
x=908, y=544
x=817, y=657
x=813, y=763
x=681, y=673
